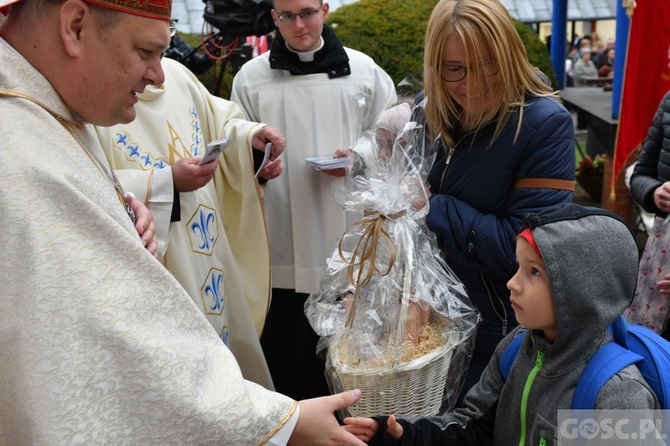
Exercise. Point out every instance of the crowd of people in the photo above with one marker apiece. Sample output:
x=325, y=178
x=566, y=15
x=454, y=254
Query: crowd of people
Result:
x=147, y=297
x=586, y=61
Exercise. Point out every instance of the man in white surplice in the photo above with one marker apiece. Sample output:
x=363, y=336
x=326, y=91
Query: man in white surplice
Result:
x=324, y=98
x=100, y=344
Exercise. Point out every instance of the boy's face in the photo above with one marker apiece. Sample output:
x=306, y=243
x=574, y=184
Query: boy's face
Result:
x=531, y=294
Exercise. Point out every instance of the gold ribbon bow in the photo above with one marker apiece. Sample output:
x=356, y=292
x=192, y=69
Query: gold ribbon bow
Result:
x=365, y=253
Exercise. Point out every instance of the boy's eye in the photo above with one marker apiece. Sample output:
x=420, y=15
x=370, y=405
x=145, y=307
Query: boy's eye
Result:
x=535, y=272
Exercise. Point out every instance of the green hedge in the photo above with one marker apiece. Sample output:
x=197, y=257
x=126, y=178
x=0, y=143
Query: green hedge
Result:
x=389, y=31
x=537, y=51
x=392, y=33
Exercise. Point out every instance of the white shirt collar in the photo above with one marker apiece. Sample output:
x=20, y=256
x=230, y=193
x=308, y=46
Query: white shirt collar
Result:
x=307, y=56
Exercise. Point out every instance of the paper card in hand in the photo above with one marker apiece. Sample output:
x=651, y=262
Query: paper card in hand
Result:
x=214, y=149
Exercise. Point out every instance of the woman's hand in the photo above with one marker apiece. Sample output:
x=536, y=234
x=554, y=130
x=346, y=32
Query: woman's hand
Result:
x=662, y=197
x=664, y=282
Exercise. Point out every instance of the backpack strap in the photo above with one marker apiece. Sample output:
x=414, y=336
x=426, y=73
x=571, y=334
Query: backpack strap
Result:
x=656, y=353
x=509, y=356
x=610, y=359
x=547, y=183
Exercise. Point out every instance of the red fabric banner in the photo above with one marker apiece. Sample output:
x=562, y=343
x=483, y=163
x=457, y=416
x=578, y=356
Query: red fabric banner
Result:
x=647, y=75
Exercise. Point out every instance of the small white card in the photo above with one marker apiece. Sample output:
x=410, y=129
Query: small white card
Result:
x=266, y=158
x=214, y=149
x=328, y=163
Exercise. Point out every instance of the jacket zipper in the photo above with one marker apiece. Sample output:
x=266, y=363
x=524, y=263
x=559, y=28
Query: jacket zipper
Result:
x=471, y=244
x=543, y=441
x=452, y=149
x=446, y=166
x=503, y=316
x=539, y=361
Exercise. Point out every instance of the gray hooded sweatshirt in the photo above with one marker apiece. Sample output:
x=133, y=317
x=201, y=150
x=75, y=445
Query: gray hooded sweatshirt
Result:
x=591, y=259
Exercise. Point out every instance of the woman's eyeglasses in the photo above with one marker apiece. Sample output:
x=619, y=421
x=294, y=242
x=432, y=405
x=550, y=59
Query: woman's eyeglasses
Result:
x=456, y=73
x=305, y=16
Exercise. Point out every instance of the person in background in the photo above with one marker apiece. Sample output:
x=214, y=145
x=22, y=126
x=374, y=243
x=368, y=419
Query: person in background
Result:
x=650, y=182
x=565, y=312
x=596, y=49
x=323, y=97
x=209, y=216
x=506, y=149
x=601, y=57
x=584, y=42
x=575, y=40
x=607, y=68
x=584, y=68
x=570, y=59
x=100, y=343
x=650, y=188
x=389, y=124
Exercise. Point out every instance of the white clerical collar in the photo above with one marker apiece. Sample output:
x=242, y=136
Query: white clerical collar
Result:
x=307, y=56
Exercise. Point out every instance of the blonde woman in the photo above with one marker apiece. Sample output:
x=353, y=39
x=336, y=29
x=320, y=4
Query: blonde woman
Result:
x=506, y=149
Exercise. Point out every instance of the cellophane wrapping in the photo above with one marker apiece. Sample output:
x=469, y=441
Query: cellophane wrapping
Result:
x=388, y=305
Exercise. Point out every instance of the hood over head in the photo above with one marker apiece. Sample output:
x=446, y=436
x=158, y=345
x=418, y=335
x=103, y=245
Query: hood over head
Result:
x=591, y=258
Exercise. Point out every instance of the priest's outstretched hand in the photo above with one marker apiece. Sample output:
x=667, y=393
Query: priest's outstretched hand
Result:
x=317, y=425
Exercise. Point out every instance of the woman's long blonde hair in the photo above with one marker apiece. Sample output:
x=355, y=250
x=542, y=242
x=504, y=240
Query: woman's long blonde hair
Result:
x=489, y=37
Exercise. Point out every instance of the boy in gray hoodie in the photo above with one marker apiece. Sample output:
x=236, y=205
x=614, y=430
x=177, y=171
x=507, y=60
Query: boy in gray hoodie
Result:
x=577, y=273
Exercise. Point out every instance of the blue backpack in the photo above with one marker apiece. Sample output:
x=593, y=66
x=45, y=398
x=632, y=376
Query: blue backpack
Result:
x=633, y=344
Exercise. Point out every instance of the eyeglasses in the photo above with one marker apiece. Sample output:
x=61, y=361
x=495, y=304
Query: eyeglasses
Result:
x=456, y=73
x=173, y=27
x=305, y=16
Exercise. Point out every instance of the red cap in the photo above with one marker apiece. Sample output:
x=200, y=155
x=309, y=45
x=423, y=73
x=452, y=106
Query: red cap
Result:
x=527, y=235
x=153, y=9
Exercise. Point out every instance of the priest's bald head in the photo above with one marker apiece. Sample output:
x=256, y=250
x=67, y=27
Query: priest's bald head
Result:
x=97, y=54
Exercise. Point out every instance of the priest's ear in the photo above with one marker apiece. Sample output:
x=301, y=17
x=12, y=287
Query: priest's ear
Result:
x=76, y=23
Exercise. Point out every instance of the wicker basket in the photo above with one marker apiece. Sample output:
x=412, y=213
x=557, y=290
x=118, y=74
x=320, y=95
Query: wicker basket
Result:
x=411, y=388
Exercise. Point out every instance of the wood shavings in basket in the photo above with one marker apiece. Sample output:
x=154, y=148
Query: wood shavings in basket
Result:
x=431, y=337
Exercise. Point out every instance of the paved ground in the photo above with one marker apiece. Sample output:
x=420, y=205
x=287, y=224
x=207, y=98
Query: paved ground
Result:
x=189, y=13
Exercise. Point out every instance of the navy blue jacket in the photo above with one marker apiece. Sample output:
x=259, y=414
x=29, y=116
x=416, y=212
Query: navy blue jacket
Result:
x=476, y=212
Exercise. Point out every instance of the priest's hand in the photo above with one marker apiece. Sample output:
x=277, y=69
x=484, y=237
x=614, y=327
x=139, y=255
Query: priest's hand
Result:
x=188, y=175
x=268, y=134
x=272, y=169
x=144, y=224
x=317, y=425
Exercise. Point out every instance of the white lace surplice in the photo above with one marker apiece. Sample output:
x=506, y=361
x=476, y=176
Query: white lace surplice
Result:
x=99, y=344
